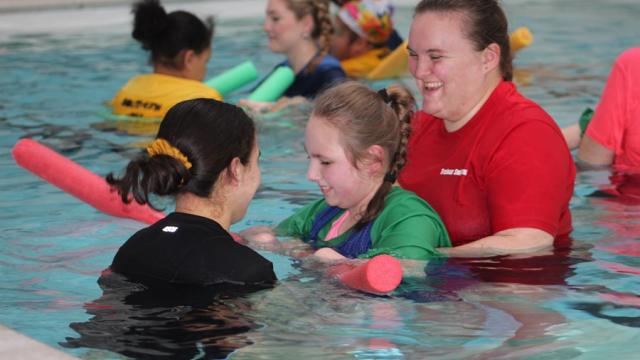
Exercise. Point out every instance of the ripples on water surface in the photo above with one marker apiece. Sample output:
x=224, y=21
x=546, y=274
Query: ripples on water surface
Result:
x=581, y=303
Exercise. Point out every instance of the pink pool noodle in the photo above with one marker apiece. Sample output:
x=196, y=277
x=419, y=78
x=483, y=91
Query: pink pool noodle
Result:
x=78, y=181
x=379, y=275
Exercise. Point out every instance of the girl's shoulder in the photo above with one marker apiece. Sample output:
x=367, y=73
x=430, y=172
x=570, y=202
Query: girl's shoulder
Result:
x=329, y=61
x=399, y=194
x=406, y=217
x=301, y=219
x=403, y=204
x=330, y=64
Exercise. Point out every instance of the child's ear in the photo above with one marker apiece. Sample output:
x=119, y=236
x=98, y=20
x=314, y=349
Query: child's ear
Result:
x=184, y=57
x=188, y=57
x=375, y=159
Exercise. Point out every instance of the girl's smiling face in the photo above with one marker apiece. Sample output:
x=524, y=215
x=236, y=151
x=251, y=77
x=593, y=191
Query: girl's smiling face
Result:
x=342, y=184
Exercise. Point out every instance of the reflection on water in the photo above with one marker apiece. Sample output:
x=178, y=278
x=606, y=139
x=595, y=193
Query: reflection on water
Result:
x=165, y=321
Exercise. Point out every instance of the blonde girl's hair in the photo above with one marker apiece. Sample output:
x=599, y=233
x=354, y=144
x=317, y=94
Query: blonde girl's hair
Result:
x=365, y=117
x=322, y=25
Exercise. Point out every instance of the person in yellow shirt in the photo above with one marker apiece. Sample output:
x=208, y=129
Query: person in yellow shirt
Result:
x=180, y=47
x=362, y=31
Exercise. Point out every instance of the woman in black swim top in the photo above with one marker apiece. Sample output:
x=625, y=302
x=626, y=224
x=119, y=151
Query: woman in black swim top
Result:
x=206, y=155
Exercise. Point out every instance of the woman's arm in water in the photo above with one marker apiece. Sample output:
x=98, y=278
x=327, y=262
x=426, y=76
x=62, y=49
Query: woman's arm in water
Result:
x=264, y=238
x=510, y=241
x=592, y=154
x=572, y=135
x=267, y=106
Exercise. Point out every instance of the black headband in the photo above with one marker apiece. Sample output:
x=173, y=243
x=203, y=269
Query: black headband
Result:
x=390, y=177
x=385, y=95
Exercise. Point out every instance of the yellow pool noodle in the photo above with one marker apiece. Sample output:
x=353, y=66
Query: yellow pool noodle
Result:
x=395, y=64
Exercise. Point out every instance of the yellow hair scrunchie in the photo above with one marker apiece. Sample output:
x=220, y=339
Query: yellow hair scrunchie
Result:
x=162, y=147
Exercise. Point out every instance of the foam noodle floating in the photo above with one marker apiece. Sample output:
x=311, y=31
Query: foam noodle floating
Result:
x=520, y=38
x=396, y=63
x=234, y=78
x=393, y=65
x=78, y=181
x=274, y=86
x=380, y=275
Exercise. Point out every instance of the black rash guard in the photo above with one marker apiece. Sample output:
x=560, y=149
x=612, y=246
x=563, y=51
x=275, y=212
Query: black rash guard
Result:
x=191, y=250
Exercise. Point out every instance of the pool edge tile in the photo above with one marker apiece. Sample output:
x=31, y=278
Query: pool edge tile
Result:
x=14, y=345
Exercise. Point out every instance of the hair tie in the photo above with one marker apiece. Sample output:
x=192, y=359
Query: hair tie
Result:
x=385, y=95
x=162, y=147
x=390, y=177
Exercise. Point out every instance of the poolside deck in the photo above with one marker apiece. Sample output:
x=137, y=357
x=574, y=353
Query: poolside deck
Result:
x=14, y=345
x=39, y=5
x=53, y=16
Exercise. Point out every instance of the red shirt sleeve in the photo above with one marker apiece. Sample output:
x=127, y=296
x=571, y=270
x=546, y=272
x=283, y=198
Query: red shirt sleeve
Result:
x=610, y=119
x=530, y=180
x=616, y=122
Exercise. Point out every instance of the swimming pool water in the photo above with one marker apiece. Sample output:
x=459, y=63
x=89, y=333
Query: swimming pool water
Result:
x=582, y=303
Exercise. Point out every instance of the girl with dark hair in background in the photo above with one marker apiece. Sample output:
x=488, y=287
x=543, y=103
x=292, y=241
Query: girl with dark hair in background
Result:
x=180, y=47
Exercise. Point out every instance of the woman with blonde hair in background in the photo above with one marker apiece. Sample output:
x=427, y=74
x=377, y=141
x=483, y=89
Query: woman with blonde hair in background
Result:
x=301, y=30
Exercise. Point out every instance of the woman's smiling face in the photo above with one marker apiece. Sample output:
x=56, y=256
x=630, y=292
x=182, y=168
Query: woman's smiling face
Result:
x=448, y=70
x=282, y=27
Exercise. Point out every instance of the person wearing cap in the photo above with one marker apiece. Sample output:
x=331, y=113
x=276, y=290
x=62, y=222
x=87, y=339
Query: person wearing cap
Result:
x=395, y=39
x=362, y=31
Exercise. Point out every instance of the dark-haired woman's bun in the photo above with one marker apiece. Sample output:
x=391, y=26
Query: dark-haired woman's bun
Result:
x=150, y=20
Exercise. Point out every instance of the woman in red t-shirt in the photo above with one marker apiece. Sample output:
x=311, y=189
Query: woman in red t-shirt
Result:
x=492, y=163
x=612, y=137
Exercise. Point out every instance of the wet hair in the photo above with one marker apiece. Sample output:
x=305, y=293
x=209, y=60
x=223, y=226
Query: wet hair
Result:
x=322, y=26
x=166, y=35
x=208, y=132
x=365, y=117
x=485, y=21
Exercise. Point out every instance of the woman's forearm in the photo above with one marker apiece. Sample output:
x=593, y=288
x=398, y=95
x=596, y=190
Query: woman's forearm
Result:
x=510, y=241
